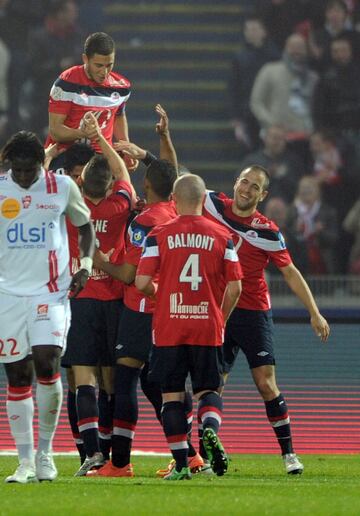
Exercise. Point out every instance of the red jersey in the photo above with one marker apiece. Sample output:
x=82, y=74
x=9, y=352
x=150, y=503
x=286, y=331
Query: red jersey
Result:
x=73, y=94
x=152, y=215
x=257, y=241
x=109, y=218
x=195, y=259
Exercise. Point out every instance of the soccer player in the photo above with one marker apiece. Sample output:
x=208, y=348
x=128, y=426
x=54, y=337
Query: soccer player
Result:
x=34, y=285
x=198, y=286
x=91, y=87
x=108, y=193
x=250, y=327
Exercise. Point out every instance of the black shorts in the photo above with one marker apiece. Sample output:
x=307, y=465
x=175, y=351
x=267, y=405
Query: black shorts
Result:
x=93, y=330
x=170, y=366
x=252, y=331
x=134, y=335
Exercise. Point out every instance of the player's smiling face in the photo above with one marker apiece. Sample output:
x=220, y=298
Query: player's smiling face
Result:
x=249, y=190
x=98, y=66
x=25, y=172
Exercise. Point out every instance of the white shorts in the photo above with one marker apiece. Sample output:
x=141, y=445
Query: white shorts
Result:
x=32, y=321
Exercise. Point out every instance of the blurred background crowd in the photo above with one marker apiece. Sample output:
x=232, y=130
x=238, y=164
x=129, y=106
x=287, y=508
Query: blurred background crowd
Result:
x=272, y=82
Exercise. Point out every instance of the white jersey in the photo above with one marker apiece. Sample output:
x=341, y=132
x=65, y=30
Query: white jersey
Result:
x=34, y=250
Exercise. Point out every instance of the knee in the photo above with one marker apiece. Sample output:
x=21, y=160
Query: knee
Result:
x=267, y=387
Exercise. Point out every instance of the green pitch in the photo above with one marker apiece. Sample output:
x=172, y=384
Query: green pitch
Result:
x=254, y=484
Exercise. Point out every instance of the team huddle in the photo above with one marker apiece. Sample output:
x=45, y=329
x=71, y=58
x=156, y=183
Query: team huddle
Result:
x=118, y=290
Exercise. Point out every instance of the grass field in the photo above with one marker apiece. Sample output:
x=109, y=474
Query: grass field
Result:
x=254, y=484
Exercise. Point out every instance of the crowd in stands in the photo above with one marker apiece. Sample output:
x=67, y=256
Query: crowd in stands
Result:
x=294, y=101
x=295, y=108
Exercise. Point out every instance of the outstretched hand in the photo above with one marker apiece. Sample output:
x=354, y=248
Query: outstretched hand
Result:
x=162, y=127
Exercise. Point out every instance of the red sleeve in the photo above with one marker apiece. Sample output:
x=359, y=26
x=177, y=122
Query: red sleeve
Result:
x=150, y=261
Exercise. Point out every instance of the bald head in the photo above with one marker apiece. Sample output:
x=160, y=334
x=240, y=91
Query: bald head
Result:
x=189, y=193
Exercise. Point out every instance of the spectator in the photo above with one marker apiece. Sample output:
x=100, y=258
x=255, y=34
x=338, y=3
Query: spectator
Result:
x=351, y=224
x=281, y=18
x=283, y=94
x=4, y=69
x=337, y=24
x=17, y=18
x=52, y=48
x=317, y=224
x=256, y=51
x=337, y=96
x=284, y=166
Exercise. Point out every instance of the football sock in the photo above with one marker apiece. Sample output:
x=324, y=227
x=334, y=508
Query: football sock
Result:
x=175, y=425
x=88, y=417
x=188, y=407
x=125, y=413
x=152, y=391
x=73, y=419
x=49, y=396
x=20, y=411
x=278, y=416
x=106, y=414
x=210, y=410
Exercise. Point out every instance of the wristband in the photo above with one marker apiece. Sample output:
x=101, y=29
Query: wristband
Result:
x=86, y=263
x=149, y=158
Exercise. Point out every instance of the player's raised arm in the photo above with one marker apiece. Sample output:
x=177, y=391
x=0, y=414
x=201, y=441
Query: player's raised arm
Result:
x=167, y=149
x=298, y=285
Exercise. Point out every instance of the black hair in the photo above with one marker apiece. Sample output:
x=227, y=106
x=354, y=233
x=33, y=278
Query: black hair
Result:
x=23, y=145
x=161, y=175
x=78, y=154
x=99, y=43
x=97, y=177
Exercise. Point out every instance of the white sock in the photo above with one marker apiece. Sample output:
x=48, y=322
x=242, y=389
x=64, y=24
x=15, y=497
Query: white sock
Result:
x=20, y=411
x=49, y=396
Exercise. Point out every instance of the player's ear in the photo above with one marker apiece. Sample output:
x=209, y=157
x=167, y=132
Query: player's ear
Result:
x=263, y=195
x=85, y=59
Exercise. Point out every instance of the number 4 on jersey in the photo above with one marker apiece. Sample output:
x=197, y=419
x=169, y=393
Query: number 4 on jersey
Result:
x=190, y=272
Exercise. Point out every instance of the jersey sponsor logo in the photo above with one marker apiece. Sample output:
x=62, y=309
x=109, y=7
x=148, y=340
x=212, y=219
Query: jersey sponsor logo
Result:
x=54, y=207
x=180, y=311
x=10, y=208
x=26, y=201
x=21, y=236
x=138, y=237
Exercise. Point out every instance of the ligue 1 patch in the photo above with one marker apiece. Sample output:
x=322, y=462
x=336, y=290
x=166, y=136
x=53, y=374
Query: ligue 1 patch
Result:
x=10, y=208
x=138, y=237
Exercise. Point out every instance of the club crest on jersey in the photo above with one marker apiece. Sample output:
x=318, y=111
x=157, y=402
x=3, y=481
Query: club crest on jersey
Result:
x=138, y=237
x=115, y=95
x=26, y=201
